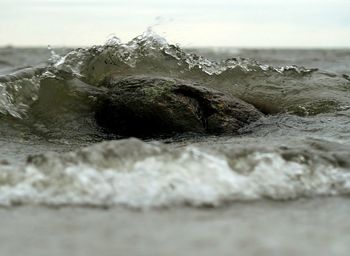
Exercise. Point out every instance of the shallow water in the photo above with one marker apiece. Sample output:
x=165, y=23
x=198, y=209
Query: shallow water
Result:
x=318, y=226
x=298, y=149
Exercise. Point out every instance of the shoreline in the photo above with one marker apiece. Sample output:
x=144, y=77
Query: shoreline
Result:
x=317, y=226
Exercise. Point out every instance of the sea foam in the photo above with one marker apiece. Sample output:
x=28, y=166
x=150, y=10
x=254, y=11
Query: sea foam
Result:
x=143, y=175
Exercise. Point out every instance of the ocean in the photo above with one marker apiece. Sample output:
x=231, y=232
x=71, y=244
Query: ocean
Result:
x=54, y=154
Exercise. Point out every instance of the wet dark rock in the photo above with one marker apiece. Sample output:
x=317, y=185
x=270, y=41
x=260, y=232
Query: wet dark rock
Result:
x=143, y=106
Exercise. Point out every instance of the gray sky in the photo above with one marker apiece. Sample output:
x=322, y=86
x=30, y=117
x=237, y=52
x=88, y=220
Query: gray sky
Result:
x=247, y=23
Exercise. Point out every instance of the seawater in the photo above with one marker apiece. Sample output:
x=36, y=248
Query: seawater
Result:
x=53, y=152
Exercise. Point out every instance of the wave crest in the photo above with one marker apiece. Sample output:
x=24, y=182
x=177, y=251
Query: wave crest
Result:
x=291, y=89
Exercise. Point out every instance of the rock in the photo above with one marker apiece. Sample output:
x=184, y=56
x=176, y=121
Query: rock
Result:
x=144, y=106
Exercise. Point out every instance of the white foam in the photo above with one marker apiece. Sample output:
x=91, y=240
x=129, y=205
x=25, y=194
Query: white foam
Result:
x=137, y=174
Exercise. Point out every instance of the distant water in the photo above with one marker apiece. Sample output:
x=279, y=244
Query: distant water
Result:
x=53, y=152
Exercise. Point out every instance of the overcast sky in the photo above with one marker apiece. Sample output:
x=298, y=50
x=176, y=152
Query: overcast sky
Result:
x=247, y=23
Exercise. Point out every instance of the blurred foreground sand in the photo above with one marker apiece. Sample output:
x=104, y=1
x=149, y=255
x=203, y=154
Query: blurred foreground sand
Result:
x=304, y=227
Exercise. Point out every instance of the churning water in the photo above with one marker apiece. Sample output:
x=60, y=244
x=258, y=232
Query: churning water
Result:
x=54, y=153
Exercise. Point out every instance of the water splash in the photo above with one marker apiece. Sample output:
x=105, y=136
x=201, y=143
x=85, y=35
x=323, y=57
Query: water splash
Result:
x=150, y=48
x=271, y=89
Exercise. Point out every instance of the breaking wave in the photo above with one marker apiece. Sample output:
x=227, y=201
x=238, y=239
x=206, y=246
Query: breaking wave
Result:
x=142, y=175
x=292, y=89
x=298, y=149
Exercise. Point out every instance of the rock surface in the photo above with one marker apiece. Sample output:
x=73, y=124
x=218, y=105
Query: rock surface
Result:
x=144, y=106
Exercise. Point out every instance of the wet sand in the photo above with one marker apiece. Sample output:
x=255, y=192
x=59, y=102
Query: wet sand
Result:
x=304, y=227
